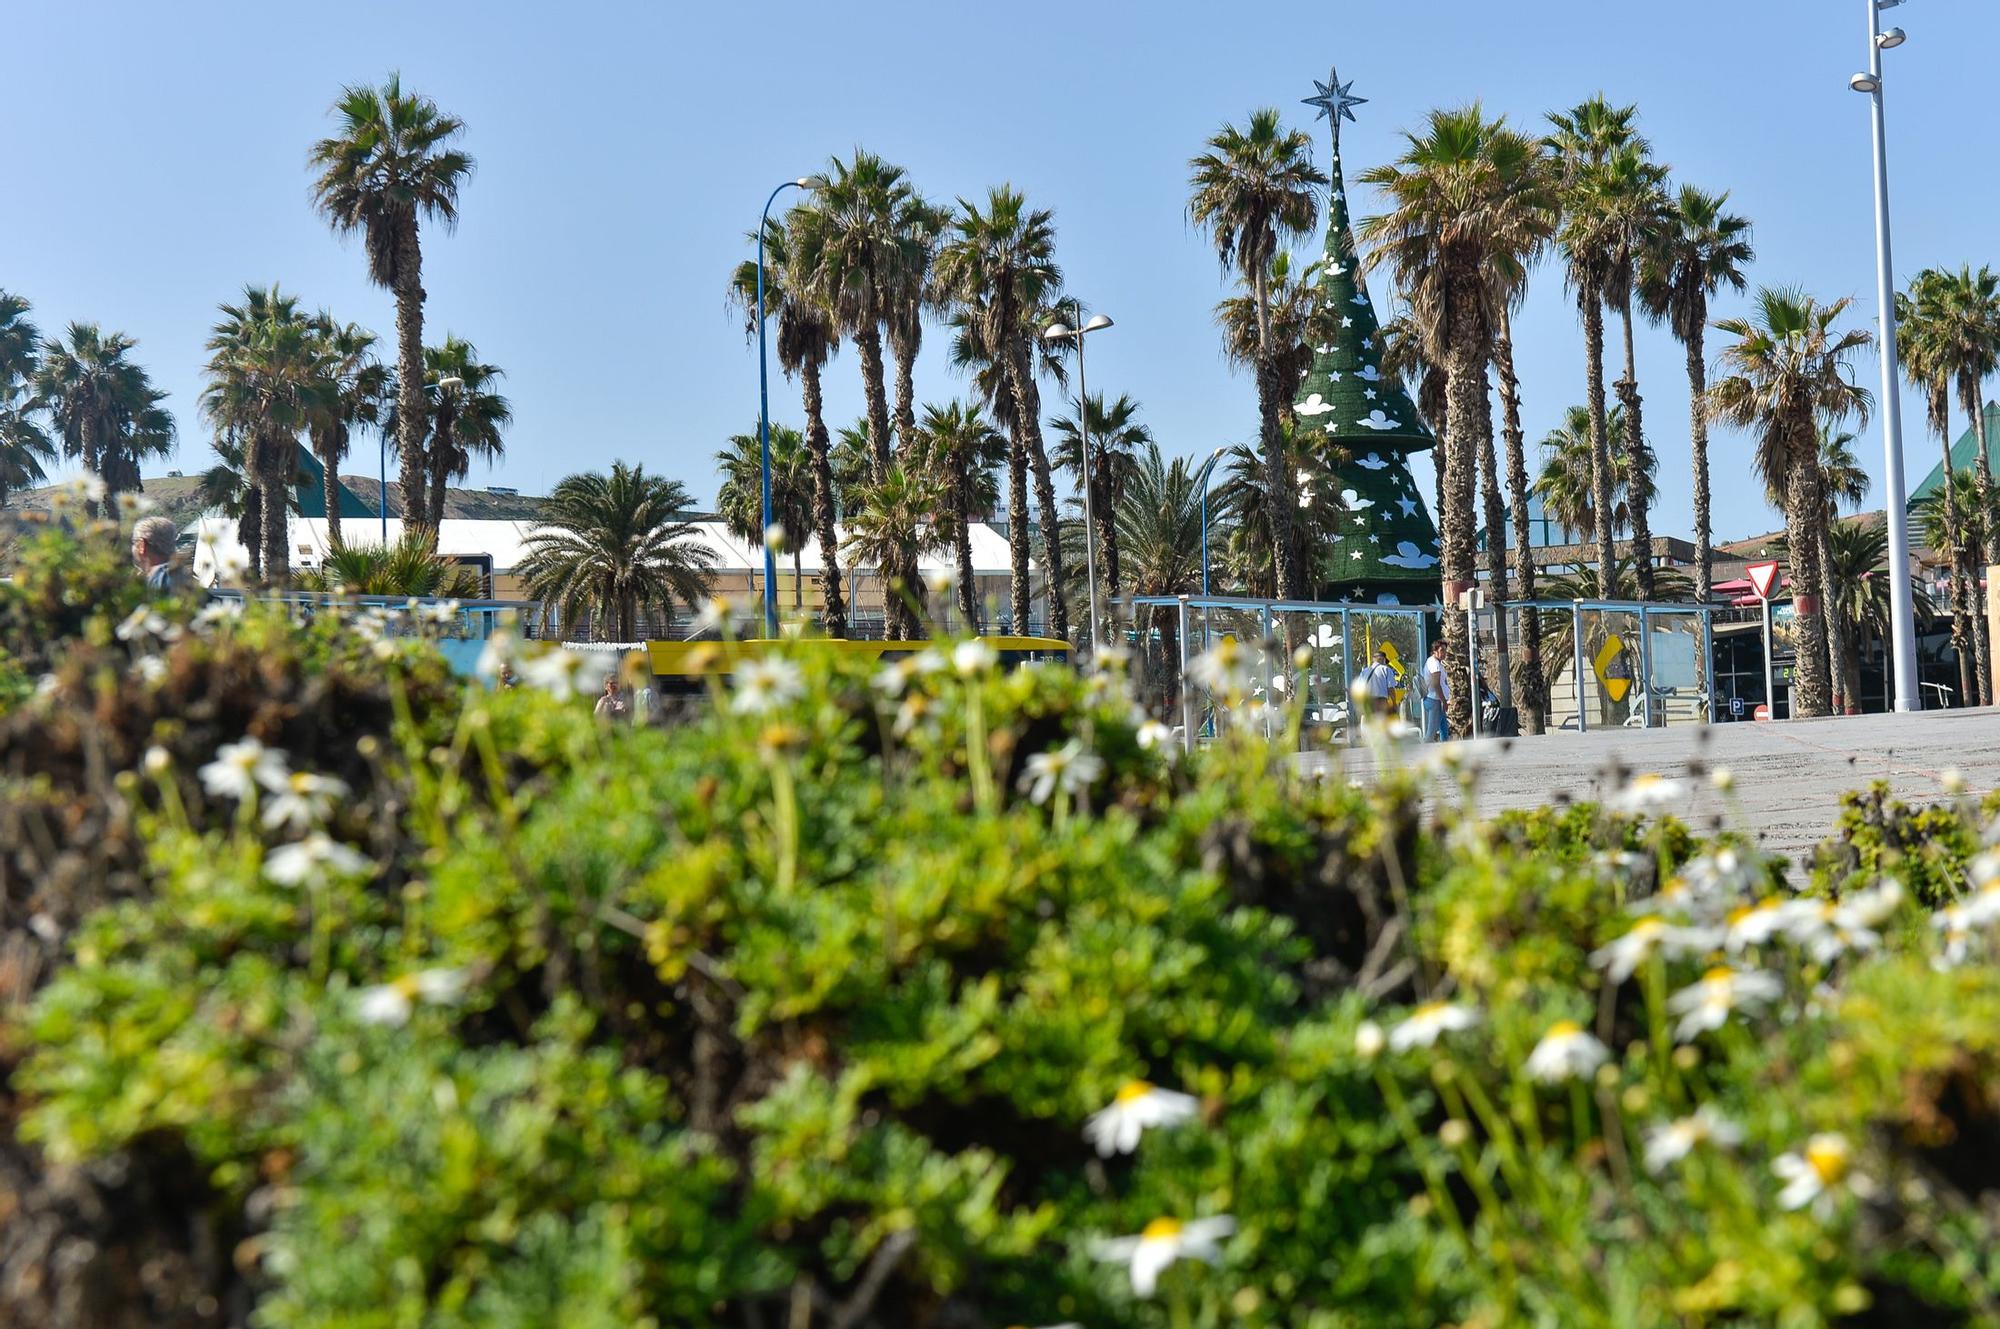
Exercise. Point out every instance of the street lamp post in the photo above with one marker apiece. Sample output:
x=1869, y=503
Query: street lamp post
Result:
x=764, y=411
x=1063, y=332
x=382, y=497
x=1902, y=618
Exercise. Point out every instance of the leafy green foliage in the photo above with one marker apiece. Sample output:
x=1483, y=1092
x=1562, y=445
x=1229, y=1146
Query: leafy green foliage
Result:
x=795, y=1015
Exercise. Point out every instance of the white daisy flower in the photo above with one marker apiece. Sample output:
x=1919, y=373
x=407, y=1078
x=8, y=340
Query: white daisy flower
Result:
x=1874, y=907
x=1756, y=924
x=145, y=621
x=973, y=657
x=1566, y=1052
x=1669, y=1143
x=1223, y=667
x=1982, y=907
x=495, y=655
x=1620, y=959
x=1727, y=872
x=91, y=486
x=319, y=854
x=1955, y=929
x=1156, y=736
x=1138, y=1107
x=1984, y=869
x=150, y=668
x=1706, y=1003
x=564, y=674
x=302, y=801
x=392, y=1003
x=1068, y=768
x=893, y=677
x=217, y=612
x=714, y=616
x=132, y=504
x=1722, y=779
x=1819, y=1174
x=941, y=581
x=915, y=709
x=240, y=767
x=1368, y=1040
x=761, y=686
x=231, y=565
x=1164, y=1241
x=1648, y=793
x=440, y=613
x=1428, y=1022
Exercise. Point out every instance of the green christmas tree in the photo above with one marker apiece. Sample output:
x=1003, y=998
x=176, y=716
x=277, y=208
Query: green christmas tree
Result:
x=1385, y=547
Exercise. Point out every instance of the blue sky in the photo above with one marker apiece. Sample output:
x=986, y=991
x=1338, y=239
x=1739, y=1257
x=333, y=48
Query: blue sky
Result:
x=156, y=164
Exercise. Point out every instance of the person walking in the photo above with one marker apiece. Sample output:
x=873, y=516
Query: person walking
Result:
x=1381, y=680
x=154, y=553
x=1437, y=694
x=612, y=706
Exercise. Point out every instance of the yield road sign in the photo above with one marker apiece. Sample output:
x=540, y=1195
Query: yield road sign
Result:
x=1763, y=578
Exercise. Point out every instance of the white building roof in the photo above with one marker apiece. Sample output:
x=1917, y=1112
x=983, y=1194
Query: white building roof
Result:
x=505, y=542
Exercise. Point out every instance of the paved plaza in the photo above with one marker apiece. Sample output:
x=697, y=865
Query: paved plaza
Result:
x=1789, y=775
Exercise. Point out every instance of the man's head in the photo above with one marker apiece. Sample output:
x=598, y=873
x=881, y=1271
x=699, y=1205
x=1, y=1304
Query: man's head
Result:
x=1437, y=649
x=153, y=541
x=611, y=685
x=1381, y=657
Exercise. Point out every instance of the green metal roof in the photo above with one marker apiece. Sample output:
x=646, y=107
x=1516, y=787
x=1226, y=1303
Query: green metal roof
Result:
x=311, y=489
x=1962, y=452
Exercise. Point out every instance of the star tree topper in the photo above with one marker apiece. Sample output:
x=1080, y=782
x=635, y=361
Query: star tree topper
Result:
x=1334, y=100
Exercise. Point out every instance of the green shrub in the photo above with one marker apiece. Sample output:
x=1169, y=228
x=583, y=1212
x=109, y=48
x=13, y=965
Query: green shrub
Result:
x=796, y=1016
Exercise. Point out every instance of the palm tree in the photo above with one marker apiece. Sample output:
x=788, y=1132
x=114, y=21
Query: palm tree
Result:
x=1116, y=438
x=352, y=384
x=1458, y=194
x=998, y=270
x=920, y=227
x=466, y=417
x=1790, y=369
x=849, y=243
x=807, y=338
x=1251, y=191
x=896, y=525
x=1922, y=319
x=1630, y=192
x=24, y=444
x=741, y=500
x=264, y=386
x=1567, y=483
x=614, y=545
x=1699, y=250
x=1242, y=511
x=389, y=166
x=1844, y=481
x=958, y=443
x=1856, y=555
x=105, y=410
x=1581, y=142
x=409, y=566
x=1159, y=526
x=228, y=487
x=1966, y=341
x=1299, y=321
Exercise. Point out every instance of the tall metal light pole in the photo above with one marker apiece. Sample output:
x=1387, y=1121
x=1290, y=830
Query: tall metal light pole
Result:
x=1064, y=332
x=1902, y=617
x=764, y=412
x=382, y=497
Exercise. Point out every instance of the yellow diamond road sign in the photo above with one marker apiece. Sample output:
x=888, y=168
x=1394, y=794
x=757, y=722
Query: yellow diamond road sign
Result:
x=1613, y=668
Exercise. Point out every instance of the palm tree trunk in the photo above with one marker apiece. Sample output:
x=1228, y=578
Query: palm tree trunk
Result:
x=1961, y=627
x=961, y=522
x=1107, y=530
x=1028, y=416
x=1465, y=390
x=1988, y=550
x=1704, y=551
x=1020, y=591
x=1496, y=547
x=277, y=526
x=1639, y=487
x=411, y=417
x=250, y=526
x=824, y=504
x=1805, y=514
x=868, y=340
x=330, y=452
x=798, y=576
x=905, y=351
x=1600, y=445
x=1534, y=695
x=1836, y=633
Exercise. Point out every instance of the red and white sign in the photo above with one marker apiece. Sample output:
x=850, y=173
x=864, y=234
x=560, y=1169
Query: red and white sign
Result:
x=1763, y=578
x=1762, y=712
